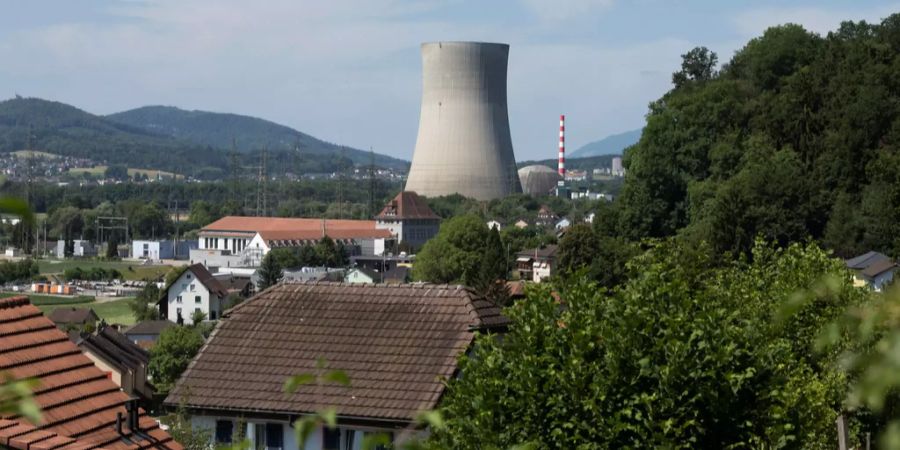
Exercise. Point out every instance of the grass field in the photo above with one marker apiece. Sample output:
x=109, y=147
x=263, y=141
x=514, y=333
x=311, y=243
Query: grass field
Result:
x=100, y=170
x=116, y=311
x=129, y=270
x=35, y=153
x=41, y=300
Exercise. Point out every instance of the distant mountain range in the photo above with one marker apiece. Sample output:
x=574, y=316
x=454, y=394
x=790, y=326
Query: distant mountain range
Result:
x=165, y=138
x=220, y=130
x=610, y=145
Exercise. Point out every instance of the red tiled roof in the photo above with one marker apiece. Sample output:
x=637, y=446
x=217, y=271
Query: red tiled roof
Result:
x=395, y=342
x=297, y=229
x=207, y=279
x=78, y=403
x=407, y=205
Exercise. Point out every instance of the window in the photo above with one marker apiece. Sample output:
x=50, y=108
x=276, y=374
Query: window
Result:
x=224, y=431
x=268, y=436
x=197, y=299
x=178, y=300
x=178, y=312
x=188, y=276
x=193, y=286
x=331, y=439
x=212, y=315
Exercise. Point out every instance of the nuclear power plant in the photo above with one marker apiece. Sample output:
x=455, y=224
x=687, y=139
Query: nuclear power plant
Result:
x=464, y=144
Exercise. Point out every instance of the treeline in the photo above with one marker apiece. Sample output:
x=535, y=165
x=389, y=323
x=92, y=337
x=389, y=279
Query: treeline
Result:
x=796, y=137
x=18, y=271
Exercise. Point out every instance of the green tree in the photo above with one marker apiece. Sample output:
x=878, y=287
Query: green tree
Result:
x=117, y=172
x=331, y=254
x=455, y=253
x=685, y=355
x=699, y=64
x=175, y=348
x=141, y=304
x=577, y=249
x=270, y=272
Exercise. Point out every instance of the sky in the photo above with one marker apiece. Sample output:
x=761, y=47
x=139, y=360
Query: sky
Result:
x=349, y=71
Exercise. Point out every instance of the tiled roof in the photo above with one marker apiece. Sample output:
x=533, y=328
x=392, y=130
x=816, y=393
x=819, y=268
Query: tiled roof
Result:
x=345, y=234
x=73, y=315
x=115, y=348
x=878, y=268
x=546, y=252
x=395, y=342
x=78, y=403
x=865, y=260
x=407, y=205
x=258, y=224
x=149, y=327
x=207, y=279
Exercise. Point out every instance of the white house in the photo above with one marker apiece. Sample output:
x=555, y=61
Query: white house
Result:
x=236, y=378
x=563, y=223
x=872, y=269
x=196, y=290
x=358, y=275
x=491, y=224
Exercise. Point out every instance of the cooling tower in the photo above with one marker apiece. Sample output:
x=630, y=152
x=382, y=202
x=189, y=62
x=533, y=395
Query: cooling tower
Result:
x=464, y=145
x=538, y=180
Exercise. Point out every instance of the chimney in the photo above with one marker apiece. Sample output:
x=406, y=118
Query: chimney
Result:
x=562, y=146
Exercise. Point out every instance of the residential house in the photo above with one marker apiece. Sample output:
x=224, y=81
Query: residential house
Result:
x=146, y=333
x=491, y=224
x=159, y=250
x=69, y=318
x=546, y=217
x=196, y=290
x=536, y=264
x=872, y=269
x=362, y=275
x=124, y=362
x=590, y=217
x=562, y=224
x=240, y=286
x=13, y=252
x=81, y=406
x=408, y=217
x=520, y=224
x=383, y=263
x=396, y=343
x=305, y=274
x=236, y=241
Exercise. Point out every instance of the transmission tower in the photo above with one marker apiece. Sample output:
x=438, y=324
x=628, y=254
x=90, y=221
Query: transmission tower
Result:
x=234, y=170
x=261, y=206
x=371, y=183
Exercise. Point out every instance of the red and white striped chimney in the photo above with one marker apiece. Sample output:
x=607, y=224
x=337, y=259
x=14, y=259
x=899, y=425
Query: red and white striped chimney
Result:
x=562, y=146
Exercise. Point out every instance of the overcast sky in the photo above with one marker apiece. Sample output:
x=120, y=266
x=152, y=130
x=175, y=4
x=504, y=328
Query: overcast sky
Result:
x=349, y=71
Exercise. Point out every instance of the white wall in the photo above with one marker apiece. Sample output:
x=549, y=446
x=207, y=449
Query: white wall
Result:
x=213, y=242
x=137, y=249
x=188, y=304
x=313, y=442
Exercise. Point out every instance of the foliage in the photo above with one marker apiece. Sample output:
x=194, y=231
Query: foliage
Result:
x=92, y=274
x=141, y=305
x=685, y=355
x=16, y=398
x=172, y=353
x=197, y=317
x=795, y=137
x=270, y=272
x=18, y=271
x=455, y=253
x=182, y=431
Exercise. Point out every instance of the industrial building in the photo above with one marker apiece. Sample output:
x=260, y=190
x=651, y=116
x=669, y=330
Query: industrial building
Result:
x=158, y=250
x=464, y=144
x=538, y=179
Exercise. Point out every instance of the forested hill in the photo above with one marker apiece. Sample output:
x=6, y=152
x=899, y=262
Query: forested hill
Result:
x=611, y=145
x=581, y=163
x=797, y=136
x=66, y=130
x=249, y=133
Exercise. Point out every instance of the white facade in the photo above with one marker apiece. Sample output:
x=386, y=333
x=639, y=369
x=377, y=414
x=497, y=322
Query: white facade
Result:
x=259, y=433
x=541, y=270
x=187, y=295
x=493, y=223
x=210, y=241
x=145, y=249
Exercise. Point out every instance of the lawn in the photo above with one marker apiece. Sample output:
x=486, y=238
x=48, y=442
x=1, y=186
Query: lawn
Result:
x=101, y=170
x=35, y=153
x=117, y=311
x=129, y=270
x=54, y=300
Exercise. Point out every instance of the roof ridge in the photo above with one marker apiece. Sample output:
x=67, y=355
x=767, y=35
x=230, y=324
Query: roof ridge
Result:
x=12, y=302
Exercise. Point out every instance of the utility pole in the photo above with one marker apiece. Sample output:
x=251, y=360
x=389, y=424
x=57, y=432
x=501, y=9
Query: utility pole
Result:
x=265, y=181
x=234, y=170
x=371, y=183
x=341, y=185
x=29, y=180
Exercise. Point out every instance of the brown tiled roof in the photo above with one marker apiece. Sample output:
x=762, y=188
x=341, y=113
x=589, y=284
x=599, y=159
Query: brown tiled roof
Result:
x=395, y=342
x=346, y=234
x=407, y=205
x=282, y=230
x=73, y=315
x=149, y=327
x=546, y=252
x=207, y=279
x=78, y=403
x=115, y=348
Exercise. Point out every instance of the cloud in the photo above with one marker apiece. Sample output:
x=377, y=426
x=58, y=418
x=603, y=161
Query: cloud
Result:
x=821, y=20
x=562, y=10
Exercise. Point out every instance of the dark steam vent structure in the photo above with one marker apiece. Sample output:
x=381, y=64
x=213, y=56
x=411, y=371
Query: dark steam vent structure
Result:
x=464, y=144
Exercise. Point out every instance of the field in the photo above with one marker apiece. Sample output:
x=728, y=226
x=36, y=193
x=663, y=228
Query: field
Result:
x=129, y=270
x=35, y=153
x=116, y=311
x=100, y=170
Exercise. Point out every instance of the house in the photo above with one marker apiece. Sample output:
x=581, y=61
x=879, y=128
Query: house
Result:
x=383, y=263
x=563, y=223
x=146, y=333
x=396, y=343
x=362, y=275
x=237, y=285
x=408, y=217
x=13, y=252
x=196, y=290
x=159, y=250
x=536, y=264
x=304, y=274
x=123, y=361
x=546, y=217
x=520, y=224
x=80, y=248
x=69, y=318
x=491, y=224
x=872, y=269
x=236, y=241
x=79, y=403
x=397, y=275
x=590, y=217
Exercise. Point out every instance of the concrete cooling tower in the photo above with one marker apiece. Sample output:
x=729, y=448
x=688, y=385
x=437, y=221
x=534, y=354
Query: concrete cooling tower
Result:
x=538, y=180
x=464, y=145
